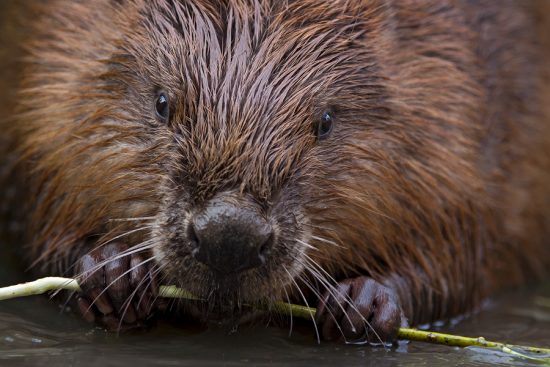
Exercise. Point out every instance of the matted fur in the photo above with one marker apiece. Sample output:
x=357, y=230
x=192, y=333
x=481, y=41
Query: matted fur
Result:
x=435, y=180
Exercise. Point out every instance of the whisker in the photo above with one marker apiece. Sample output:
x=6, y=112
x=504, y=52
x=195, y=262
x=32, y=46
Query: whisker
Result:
x=118, y=278
x=291, y=316
x=161, y=280
x=307, y=245
x=321, y=239
x=307, y=304
x=140, y=247
x=125, y=234
x=152, y=276
x=332, y=291
x=316, y=293
x=69, y=297
x=146, y=245
x=131, y=219
x=128, y=301
x=105, y=243
x=347, y=299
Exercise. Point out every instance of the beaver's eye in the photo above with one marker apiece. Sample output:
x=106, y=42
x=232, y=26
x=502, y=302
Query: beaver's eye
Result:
x=162, y=107
x=323, y=127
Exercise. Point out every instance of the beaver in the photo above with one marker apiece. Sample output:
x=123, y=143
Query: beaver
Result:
x=385, y=161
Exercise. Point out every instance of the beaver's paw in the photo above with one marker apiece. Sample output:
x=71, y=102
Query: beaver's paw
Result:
x=360, y=310
x=118, y=289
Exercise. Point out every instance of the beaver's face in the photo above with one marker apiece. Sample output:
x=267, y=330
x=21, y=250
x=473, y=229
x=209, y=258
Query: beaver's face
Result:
x=254, y=109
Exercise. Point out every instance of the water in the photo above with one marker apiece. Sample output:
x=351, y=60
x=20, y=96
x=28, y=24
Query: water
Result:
x=33, y=332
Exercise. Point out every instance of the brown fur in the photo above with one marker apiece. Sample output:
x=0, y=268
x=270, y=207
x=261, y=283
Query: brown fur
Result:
x=435, y=180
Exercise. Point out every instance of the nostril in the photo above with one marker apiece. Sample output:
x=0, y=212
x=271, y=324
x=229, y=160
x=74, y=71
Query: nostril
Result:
x=229, y=238
x=265, y=248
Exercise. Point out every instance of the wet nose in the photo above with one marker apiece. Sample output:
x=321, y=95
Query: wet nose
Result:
x=230, y=238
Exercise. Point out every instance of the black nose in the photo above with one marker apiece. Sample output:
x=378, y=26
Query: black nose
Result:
x=230, y=238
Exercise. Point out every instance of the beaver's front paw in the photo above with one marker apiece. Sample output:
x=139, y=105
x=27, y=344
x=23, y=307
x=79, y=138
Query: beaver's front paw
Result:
x=118, y=287
x=360, y=310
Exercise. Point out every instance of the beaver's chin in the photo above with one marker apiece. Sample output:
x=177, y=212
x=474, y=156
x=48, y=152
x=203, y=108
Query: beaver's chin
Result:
x=232, y=297
x=226, y=301
x=224, y=316
x=228, y=298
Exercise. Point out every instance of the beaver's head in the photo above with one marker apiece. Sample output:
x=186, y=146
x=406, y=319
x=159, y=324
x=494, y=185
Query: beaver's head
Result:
x=259, y=108
x=258, y=138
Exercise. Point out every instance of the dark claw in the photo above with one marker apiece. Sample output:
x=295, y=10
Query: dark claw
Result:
x=360, y=310
x=100, y=300
x=85, y=309
x=117, y=289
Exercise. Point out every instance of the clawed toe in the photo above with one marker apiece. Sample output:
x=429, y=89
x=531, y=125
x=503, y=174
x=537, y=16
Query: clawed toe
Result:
x=360, y=310
x=118, y=288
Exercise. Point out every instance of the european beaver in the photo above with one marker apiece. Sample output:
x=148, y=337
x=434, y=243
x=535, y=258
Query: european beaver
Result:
x=388, y=158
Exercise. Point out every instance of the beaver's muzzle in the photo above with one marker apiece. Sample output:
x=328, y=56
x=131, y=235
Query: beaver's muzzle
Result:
x=230, y=235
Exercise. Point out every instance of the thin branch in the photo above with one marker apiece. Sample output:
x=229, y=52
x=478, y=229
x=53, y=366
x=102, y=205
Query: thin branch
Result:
x=541, y=355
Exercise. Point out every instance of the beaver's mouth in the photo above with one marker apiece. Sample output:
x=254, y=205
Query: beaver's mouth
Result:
x=227, y=301
x=228, y=251
x=232, y=253
x=223, y=291
x=222, y=313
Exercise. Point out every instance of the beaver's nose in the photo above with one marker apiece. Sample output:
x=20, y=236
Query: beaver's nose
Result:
x=230, y=238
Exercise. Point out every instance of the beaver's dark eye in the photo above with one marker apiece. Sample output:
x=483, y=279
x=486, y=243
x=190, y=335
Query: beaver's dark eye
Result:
x=323, y=127
x=162, y=107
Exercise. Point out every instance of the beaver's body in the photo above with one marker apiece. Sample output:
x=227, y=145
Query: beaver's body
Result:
x=397, y=152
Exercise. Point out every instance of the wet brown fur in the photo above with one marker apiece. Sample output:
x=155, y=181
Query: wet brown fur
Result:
x=435, y=180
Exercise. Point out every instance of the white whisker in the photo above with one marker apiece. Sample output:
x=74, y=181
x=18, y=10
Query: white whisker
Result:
x=347, y=299
x=131, y=219
x=125, y=234
x=321, y=239
x=316, y=293
x=118, y=278
x=307, y=304
x=291, y=316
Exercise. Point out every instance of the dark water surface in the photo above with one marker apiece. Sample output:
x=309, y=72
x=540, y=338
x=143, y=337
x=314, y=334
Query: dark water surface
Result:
x=33, y=332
